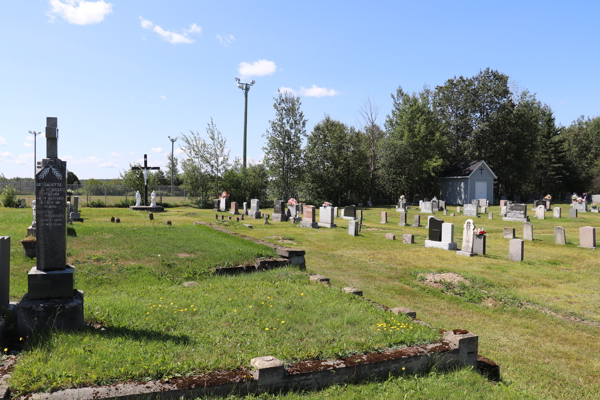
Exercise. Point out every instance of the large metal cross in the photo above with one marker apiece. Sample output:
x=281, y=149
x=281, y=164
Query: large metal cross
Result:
x=145, y=168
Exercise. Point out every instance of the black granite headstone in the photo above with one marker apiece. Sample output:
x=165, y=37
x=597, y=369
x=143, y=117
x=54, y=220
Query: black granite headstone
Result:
x=350, y=211
x=279, y=207
x=217, y=204
x=435, y=229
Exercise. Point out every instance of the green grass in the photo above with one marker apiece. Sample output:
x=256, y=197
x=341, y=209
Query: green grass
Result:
x=143, y=324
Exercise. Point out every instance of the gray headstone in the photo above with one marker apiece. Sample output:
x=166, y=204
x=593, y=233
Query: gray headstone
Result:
x=447, y=232
x=458, y=210
x=383, y=217
x=224, y=204
x=427, y=207
x=516, y=249
x=509, y=233
x=217, y=205
x=587, y=237
x=596, y=198
x=581, y=207
x=556, y=212
x=490, y=215
x=353, y=227
x=326, y=217
x=435, y=229
x=516, y=212
x=561, y=236
x=279, y=207
x=403, y=218
x=572, y=213
x=4, y=273
x=479, y=245
x=467, y=243
x=540, y=212
x=416, y=221
x=503, y=211
x=408, y=238
x=471, y=210
x=528, y=231
x=245, y=205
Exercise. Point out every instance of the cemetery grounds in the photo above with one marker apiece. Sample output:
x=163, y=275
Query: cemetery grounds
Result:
x=538, y=319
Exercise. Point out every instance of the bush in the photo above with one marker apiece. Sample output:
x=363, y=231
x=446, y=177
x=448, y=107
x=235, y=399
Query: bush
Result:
x=97, y=204
x=9, y=197
x=125, y=204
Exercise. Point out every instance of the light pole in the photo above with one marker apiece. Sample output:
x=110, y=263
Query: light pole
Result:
x=172, y=160
x=245, y=87
x=34, y=133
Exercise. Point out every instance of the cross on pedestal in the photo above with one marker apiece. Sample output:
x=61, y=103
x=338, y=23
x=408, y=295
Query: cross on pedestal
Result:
x=145, y=168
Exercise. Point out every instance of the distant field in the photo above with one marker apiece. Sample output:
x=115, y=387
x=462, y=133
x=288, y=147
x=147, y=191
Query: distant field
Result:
x=112, y=200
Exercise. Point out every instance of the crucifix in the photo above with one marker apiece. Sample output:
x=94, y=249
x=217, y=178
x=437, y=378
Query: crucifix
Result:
x=145, y=168
x=481, y=169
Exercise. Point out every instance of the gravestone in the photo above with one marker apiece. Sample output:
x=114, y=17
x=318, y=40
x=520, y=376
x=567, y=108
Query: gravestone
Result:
x=224, y=204
x=540, y=212
x=516, y=212
x=408, y=238
x=528, y=231
x=509, y=233
x=293, y=210
x=435, y=229
x=596, y=198
x=383, y=217
x=415, y=201
x=503, y=203
x=390, y=236
x=416, y=221
x=350, y=212
x=471, y=210
x=427, y=207
x=280, y=212
x=4, y=273
x=442, y=239
x=516, y=250
x=468, y=238
x=216, y=207
x=51, y=299
x=309, y=218
x=336, y=212
x=560, y=235
x=401, y=206
x=428, y=218
x=580, y=207
x=572, y=213
x=403, y=218
x=234, y=208
x=483, y=209
x=442, y=205
x=538, y=203
x=480, y=245
x=255, y=208
x=245, y=205
x=556, y=212
x=503, y=211
x=587, y=237
x=435, y=204
x=458, y=210
x=151, y=216
x=548, y=204
x=353, y=227
x=445, y=212
x=326, y=217
x=490, y=215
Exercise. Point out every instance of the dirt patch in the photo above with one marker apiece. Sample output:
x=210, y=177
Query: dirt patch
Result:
x=564, y=317
x=489, y=302
x=434, y=279
x=184, y=255
x=276, y=237
x=286, y=241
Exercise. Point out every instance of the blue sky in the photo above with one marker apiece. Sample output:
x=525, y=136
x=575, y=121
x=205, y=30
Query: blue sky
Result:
x=122, y=75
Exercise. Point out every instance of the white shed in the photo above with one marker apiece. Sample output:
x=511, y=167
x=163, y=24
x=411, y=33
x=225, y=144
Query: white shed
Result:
x=467, y=180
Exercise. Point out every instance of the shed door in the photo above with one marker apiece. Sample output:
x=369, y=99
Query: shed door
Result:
x=481, y=190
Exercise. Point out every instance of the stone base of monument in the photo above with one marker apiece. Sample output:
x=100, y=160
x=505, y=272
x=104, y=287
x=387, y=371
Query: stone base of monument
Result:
x=50, y=284
x=29, y=248
x=324, y=225
x=308, y=224
x=31, y=231
x=147, y=208
x=39, y=315
x=75, y=216
x=465, y=253
x=343, y=216
x=440, y=245
x=516, y=219
x=279, y=217
x=255, y=215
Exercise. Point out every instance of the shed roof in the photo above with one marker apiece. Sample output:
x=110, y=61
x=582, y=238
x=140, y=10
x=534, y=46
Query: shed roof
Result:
x=465, y=169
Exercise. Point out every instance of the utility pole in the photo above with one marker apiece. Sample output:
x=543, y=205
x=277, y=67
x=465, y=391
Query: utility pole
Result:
x=172, y=161
x=245, y=88
x=34, y=133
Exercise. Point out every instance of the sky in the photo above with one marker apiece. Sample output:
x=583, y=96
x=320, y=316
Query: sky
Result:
x=123, y=75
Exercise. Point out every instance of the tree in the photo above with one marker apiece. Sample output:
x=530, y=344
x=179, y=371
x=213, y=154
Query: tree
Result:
x=243, y=185
x=173, y=169
x=551, y=160
x=369, y=111
x=283, y=151
x=134, y=180
x=72, y=178
x=2, y=177
x=197, y=183
x=583, y=151
x=8, y=198
x=210, y=157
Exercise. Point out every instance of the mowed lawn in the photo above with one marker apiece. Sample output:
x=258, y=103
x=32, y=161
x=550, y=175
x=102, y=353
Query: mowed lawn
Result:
x=144, y=324
x=539, y=319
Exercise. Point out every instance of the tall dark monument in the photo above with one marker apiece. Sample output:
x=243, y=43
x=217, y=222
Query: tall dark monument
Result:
x=51, y=300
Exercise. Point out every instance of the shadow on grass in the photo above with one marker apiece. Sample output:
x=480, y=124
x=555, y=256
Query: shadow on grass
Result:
x=71, y=231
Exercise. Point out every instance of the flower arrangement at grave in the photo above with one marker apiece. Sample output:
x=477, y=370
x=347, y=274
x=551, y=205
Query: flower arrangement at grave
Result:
x=580, y=199
x=547, y=197
x=402, y=197
x=327, y=204
x=479, y=231
x=574, y=197
x=594, y=206
x=224, y=195
x=69, y=192
x=292, y=202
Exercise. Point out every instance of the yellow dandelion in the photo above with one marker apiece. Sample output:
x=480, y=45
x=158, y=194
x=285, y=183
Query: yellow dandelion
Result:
x=301, y=294
x=234, y=310
x=194, y=309
x=270, y=305
x=20, y=338
x=249, y=306
x=266, y=329
x=161, y=298
x=229, y=299
x=403, y=368
x=283, y=322
x=5, y=349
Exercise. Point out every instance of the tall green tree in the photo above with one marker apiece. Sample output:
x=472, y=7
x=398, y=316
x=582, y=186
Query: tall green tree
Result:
x=583, y=151
x=283, y=150
x=369, y=112
x=134, y=180
x=72, y=178
x=173, y=168
x=337, y=157
x=551, y=167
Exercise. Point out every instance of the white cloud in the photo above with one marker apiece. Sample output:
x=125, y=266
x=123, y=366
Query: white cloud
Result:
x=29, y=138
x=257, y=68
x=172, y=37
x=316, y=91
x=144, y=23
x=108, y=165
x=157, y=149
x=2, y=141
x=79, y=12
x=27, y=144
x=163, y=97
x=284, y=89
x=6, y=154
x=226, y=40
x=178, y=151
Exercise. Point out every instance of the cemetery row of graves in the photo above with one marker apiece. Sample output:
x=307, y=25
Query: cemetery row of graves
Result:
x=93, y=298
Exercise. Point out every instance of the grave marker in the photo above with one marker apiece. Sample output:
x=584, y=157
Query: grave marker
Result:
x=309, y=218
x=528, y=231
x=471, y=210
x=383, y=217
x=408, y=238
x=509, y=233
x=403, y=218
x=516, y=250
x=350, y=212
x=572, y=213
x=326, y=217
x=540, y=212
x=4, y=273
x=467, y=242
x=416, y=221
x=556, y=212
x=560, y=235
x=587, y=237
x=516, y=212
x=353, y=227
